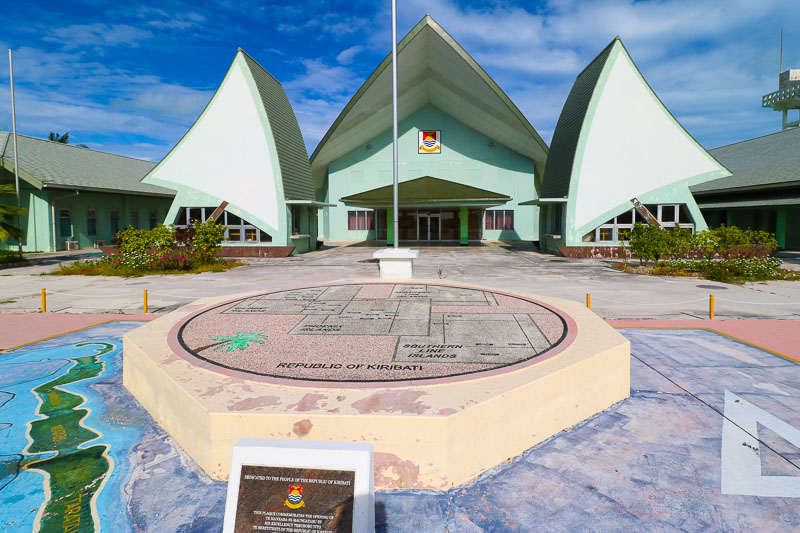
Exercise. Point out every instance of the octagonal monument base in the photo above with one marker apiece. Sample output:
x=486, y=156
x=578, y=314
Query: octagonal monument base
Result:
x=445, y=380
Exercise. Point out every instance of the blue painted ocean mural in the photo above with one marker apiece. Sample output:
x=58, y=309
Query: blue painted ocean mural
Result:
x=74, y=445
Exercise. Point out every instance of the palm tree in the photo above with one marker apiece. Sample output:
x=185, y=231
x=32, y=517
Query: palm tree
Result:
x=240, y=341
x=57, y=137
x=7, y=229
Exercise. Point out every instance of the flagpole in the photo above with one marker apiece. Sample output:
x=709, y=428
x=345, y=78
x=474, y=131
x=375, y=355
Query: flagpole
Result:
x=395, y=210
x=14, y=137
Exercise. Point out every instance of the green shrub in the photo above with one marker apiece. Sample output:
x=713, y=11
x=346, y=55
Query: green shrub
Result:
x=207, y=240
x=733, y=239
x=677, y=241
x=139, y=242
x=647, y=242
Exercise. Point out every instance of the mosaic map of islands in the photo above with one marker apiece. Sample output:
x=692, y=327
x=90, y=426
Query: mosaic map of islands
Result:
x=373, y=332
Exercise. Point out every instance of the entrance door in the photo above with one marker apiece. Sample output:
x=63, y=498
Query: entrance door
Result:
x=428, y=227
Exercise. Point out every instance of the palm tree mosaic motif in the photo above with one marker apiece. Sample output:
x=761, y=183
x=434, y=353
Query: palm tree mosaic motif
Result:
x=241, y=341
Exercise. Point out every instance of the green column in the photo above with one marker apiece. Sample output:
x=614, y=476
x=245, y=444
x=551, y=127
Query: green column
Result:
x=463, y=216
x=390, y=225
x=780, y=228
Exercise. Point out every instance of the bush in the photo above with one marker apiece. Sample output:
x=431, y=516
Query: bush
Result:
x=207, y=239
x=726, y=254
x=647, y=242
x=139, y=242
x=161, y=249
x=650, y=243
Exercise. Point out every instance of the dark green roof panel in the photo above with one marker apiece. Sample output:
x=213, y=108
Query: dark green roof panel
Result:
x=558, y=170
x=292, y=154
x=426, y=189
x=769, y=161
x=65, y=166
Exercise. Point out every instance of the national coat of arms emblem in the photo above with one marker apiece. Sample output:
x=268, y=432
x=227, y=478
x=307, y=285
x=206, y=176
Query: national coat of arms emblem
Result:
x=430, y=142
x=295, y=498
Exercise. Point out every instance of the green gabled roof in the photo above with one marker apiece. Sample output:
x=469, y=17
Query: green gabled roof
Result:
x=558, y=169
x=769, y=161
x=292, y=153
x=426, y=190
x=433, y=69
x=51, y=164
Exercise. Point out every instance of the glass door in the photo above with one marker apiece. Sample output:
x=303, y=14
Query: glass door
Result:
x=433, y=228
x=428, y=226
x=423, y=227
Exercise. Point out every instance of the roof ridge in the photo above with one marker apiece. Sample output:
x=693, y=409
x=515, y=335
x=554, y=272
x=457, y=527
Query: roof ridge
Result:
x=248, y=56
x=39, y=139
x=754, y=138
x=606, y=47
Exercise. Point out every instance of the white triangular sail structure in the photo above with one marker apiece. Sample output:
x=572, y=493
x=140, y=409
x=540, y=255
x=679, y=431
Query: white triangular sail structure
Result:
x=615, y=140
x=245, y=149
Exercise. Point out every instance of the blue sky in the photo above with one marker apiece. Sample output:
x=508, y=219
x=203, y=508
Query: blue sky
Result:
x=132, y=79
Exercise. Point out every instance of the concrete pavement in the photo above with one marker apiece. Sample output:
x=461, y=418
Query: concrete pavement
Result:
x=517, y=267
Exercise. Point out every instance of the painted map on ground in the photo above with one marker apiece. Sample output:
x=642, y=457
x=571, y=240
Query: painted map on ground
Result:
x=373, y=332
x=74, y=444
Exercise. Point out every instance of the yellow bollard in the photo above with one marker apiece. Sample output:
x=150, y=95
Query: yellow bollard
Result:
x=588, y=300
x=44, y=300
x=710, y=306
x=145, y=301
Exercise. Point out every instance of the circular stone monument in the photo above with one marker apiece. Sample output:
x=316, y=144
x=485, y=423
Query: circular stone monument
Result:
x=386, y=333
x=444, y=380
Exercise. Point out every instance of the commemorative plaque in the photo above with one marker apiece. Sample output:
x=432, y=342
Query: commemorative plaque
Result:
x=279, y=499
x=278, y=486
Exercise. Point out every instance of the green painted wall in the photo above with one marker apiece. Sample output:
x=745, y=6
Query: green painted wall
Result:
x=466, y=157
x=793, y=228
x=38, y=222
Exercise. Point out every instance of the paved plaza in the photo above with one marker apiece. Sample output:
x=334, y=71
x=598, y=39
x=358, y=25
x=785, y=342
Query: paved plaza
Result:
x=517, y=268
x=708, y=441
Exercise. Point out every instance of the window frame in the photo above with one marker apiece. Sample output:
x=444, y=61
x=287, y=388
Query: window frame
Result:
x=498, y=219
x=364, y=220
x=617, y=226
x=242, y=227
x=91, y=215
x=61, y=219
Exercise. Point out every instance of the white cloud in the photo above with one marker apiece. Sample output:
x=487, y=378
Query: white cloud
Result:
x=97, y=35
x=347, y=55
x=324, y=80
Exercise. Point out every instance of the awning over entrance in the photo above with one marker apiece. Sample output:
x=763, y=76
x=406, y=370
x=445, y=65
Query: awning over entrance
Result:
x=427, y=191
x=545, y=201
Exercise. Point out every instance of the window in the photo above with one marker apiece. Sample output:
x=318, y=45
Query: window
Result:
x=91, y=222
x=668, y=213
x=557, y=212
x=500, y=219
x=64, y=223
x=238, y=230
x=619, y=228
x=296, y=212
x=360, y=220
x=153, y=218
x=135, y=219
x=114, y=222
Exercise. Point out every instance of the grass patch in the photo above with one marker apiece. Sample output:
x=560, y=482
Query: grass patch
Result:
x=106, y=268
